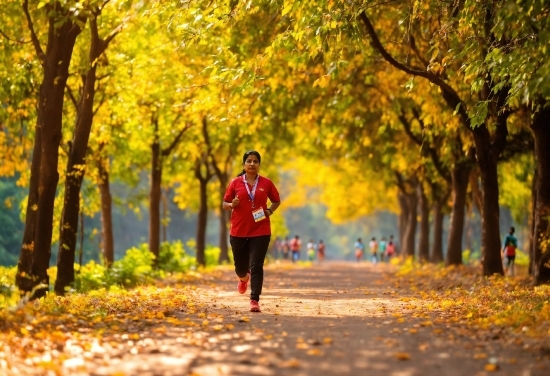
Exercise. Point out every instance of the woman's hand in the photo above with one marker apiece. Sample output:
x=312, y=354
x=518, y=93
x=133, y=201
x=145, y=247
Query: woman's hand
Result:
x=235, y=202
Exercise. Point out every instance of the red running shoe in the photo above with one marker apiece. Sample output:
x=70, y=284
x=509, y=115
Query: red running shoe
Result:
x=254, y=306
x=242, y=285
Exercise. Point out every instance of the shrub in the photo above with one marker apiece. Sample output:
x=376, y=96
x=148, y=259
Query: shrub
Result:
x=91, y=276
x=212, y=255
x=8, y=289
x=134, y=268
x=173, y=258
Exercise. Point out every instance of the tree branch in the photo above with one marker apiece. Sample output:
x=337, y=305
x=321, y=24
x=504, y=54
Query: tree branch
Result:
x=449, y=94
x=166, y=152
x=71, y=96
x=501, y=122
x=13, y=40
x=407, y=127
x=417, y=53
x=34, y=38
x=100, y=103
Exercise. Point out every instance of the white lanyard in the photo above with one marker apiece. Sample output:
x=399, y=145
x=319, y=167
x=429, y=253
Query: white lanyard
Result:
x=252, y=194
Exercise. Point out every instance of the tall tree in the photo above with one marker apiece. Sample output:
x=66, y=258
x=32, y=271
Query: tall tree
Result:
x=488, y=147
x=76, y=163
x=159, y=155
x=64, y=24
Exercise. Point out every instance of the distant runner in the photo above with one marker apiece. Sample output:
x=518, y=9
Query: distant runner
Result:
x=295, y=247
x=382, y=249
x=509, y=250
x=321, y=251
x=373, y=245
x=359, y=249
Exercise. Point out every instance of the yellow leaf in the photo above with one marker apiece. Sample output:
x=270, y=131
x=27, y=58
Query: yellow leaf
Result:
x=314, y=352
x=402, y=356
x=489, y=367
x=287, y=9
x=291, y=363
x=480, y=356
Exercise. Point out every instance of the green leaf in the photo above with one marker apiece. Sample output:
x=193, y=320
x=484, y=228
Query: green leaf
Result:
x=457, y=108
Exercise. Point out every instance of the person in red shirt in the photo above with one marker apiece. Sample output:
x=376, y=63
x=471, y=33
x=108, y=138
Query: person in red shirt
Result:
x=321, y=251
x=246, y=197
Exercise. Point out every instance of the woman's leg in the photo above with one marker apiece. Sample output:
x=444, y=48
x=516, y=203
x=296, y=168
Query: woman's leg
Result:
x=241, y=255
x=258, y=249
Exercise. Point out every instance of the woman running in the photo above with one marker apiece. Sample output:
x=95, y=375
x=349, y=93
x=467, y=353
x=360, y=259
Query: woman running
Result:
x=246, y=197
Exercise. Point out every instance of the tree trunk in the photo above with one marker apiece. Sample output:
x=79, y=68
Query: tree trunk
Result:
x=424, y=240
x=402, y=220
x=23, y=279
x=106, y=216
x=490, y=229
x=437, y=245
x=165, y=214
x=154, y=197
x=532, y=220
x=541, y=130
x=459, y=184
x=55, y=62
x=76, y=168
x=201, y=224
x=410, y=229
x=224, y=219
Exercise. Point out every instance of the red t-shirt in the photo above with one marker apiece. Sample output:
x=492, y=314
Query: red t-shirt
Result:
x=242, y=221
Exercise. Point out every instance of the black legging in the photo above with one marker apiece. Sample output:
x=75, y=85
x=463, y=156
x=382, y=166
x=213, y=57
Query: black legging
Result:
x=249, y=254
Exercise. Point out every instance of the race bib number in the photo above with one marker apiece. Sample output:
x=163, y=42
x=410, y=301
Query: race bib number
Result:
x=259, y=215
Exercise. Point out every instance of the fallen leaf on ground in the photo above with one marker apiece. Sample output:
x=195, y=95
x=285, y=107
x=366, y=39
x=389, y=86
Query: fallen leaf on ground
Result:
x=491, y=367
x=291, y=363
x=314, y=352
x=402, y=356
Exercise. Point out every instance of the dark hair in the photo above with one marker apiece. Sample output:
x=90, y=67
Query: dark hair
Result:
x=512, y=230
x=246, y=155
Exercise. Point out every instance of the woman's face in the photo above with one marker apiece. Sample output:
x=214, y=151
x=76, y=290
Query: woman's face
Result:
x=251, y=164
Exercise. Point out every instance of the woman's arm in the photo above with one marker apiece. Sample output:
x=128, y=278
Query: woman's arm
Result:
x=273, y=207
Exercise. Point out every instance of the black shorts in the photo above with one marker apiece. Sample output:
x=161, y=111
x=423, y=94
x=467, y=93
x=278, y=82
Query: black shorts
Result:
x=511, y=259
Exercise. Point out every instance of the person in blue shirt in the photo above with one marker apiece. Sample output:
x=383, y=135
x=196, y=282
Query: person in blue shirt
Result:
x=359, y=248
x=382, y=248
x=509, y=251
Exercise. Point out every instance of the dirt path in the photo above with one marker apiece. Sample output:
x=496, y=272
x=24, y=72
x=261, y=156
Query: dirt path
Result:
x=344, y=318
x=333, y=319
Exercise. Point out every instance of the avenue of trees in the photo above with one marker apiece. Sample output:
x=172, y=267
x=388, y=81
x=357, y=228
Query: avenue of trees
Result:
x=426, y=109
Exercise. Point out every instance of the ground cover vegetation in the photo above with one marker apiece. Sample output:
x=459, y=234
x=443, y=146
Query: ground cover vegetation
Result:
x=426, y=109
